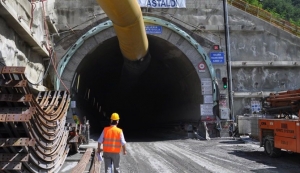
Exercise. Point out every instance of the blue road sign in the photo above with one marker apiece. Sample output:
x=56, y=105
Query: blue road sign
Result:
x=153, y=29
x=217, y=57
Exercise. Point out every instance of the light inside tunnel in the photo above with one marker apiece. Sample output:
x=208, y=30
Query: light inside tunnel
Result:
x=168, y=92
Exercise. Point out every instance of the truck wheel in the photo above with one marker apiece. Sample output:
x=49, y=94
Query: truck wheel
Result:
x=270, y=150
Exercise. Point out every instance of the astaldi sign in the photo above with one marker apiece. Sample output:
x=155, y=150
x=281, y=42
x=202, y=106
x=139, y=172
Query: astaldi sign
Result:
x=217, y=57
x=162, y=3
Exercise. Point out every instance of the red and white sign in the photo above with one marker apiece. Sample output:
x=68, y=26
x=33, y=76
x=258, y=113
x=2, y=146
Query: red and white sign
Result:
x=216, y=47
x=201, y=67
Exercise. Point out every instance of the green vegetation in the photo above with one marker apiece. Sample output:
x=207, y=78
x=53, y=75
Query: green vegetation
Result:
x=285, y=9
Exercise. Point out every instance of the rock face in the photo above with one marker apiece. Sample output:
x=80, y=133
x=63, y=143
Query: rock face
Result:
x=22, y=38
x=15, y=52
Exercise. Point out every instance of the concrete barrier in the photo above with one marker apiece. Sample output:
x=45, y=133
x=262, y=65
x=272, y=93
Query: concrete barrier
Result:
x=248, y=125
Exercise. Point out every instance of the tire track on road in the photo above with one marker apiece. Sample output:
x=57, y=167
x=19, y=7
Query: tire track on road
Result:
x=188, y=155
x=146, y=160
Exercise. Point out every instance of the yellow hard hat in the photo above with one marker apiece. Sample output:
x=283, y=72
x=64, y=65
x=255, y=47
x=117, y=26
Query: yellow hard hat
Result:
x=114, y=116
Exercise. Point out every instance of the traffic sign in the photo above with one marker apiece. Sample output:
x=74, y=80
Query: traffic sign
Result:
x=217, y=57
x=153, y=29
x=201, y=67
x=216, y=47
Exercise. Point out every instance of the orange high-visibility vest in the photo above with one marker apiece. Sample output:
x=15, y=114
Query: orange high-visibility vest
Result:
x=112, y=139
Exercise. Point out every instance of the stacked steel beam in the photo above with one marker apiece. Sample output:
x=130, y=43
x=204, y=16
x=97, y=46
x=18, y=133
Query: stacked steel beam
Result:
x=285, y=103
x=33, y=137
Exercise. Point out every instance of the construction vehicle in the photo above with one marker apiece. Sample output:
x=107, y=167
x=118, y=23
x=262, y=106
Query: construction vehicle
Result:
x=281, y=130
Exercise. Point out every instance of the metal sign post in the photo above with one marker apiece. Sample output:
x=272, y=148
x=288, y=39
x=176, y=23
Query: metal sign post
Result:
x=228, y=59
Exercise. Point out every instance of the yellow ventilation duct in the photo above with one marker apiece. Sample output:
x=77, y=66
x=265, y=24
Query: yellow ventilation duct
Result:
x=128, y=23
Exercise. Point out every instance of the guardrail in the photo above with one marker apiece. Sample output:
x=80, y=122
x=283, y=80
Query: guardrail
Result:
x=266, y=16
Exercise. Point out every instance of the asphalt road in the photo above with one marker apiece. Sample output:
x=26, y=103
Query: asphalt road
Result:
x=167, y=153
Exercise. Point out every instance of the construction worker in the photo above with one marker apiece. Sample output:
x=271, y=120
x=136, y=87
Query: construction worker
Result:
x=76, y=119
x=113, y=140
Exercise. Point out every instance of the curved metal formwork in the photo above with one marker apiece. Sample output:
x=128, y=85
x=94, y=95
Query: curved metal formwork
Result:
x=33, y=137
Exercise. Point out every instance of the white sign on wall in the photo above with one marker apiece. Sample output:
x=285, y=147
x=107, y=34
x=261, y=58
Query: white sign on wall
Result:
x=206, y=109
x=255, y=106
x=208, y=99
x=206, y=90
x=162, y=3
x=206, y=86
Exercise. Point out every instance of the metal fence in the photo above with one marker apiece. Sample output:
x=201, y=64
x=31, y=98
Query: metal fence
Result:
x=266, y=16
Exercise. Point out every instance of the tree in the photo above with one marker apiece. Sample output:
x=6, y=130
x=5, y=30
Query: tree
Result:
x=286, y=9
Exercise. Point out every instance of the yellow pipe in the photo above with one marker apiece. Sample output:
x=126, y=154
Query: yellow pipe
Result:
x=127, y=18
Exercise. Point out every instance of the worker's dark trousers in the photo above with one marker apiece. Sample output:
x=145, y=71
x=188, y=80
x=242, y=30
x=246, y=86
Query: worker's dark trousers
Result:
x=109, y=159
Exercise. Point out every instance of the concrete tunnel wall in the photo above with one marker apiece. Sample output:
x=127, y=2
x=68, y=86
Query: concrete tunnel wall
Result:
x=173, y=54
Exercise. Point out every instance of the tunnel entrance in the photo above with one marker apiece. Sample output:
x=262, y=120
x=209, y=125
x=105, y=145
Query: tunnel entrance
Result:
x=168, y=92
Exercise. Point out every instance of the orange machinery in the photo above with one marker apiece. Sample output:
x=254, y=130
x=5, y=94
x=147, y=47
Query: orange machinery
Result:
x=282, y=130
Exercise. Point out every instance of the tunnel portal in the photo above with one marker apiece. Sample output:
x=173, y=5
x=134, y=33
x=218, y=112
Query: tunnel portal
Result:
x=167, y=93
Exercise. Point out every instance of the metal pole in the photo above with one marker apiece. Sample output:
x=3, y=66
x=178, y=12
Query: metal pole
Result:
x=228, y=59
x=87, y=132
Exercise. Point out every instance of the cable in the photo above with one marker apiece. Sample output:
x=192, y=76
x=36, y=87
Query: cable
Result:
x=46, y=29
x=45, y=75
x=47, y=47
x=52, y=54
x=58, y=76
x=87, y=20
x=33, y=6
x=72, y=32
x=72, y=29
x=194, y=26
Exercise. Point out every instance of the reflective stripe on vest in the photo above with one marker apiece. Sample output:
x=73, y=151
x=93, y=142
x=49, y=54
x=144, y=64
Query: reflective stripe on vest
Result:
x=112, y=139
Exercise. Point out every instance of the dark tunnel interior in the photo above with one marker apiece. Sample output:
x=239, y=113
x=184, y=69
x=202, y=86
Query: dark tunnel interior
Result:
x=168, y=93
